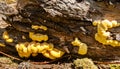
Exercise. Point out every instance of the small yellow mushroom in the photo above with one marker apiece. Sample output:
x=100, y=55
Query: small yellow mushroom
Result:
x=106, y=23
x=9, y=40
x=114, y=43
x=56, y=53
x=34, y=49
x=22, y=50
x=2, y=45
x=114, y=23
x=22, y=55
x=29, y=49
x=100, y=38
x=29, y=46
x=36, y=27
x=47, y=54
x=43, y=47
x=5, y=35
x=25, y=50
x=95, y=23
x=38, y=37
x=76, y=42
x=82, y=46
x=17, y=47
x=82, y=49
x=51, y=46
x=21, y=46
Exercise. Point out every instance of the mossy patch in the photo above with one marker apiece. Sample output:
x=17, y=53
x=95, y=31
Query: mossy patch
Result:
x=84, y=63
x=114, y=66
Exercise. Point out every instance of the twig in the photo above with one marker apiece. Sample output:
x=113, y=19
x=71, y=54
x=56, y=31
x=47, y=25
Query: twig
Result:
x=107, y=62
x=39, y=63
x=10, y=56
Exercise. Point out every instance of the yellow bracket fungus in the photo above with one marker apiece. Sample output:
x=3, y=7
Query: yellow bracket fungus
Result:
x=47, y=49
x=48, y=55
x=2, y=45
x=56, y=53
x=82, y=46
x=38, y=37
x=6, y=37
x=102, y=34
x=36, y=27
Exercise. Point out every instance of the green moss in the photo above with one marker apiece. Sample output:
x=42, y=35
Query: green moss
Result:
x=114, y=66
x=84, y=63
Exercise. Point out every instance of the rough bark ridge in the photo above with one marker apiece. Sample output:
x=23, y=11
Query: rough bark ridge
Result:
x=67, y=19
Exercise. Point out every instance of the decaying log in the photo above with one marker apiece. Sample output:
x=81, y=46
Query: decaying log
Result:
x=67, y=19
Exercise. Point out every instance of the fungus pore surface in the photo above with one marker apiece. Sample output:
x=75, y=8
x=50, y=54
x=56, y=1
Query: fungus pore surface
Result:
x=33, y=48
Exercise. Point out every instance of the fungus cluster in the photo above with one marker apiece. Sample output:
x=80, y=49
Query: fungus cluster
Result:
x=102, y=34
x=38, y=37
x=38, y=45
x=6, y=37
x=82, y=46
x=33, y=48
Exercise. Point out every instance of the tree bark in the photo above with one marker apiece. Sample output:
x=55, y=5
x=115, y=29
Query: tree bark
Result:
x=67, y=19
